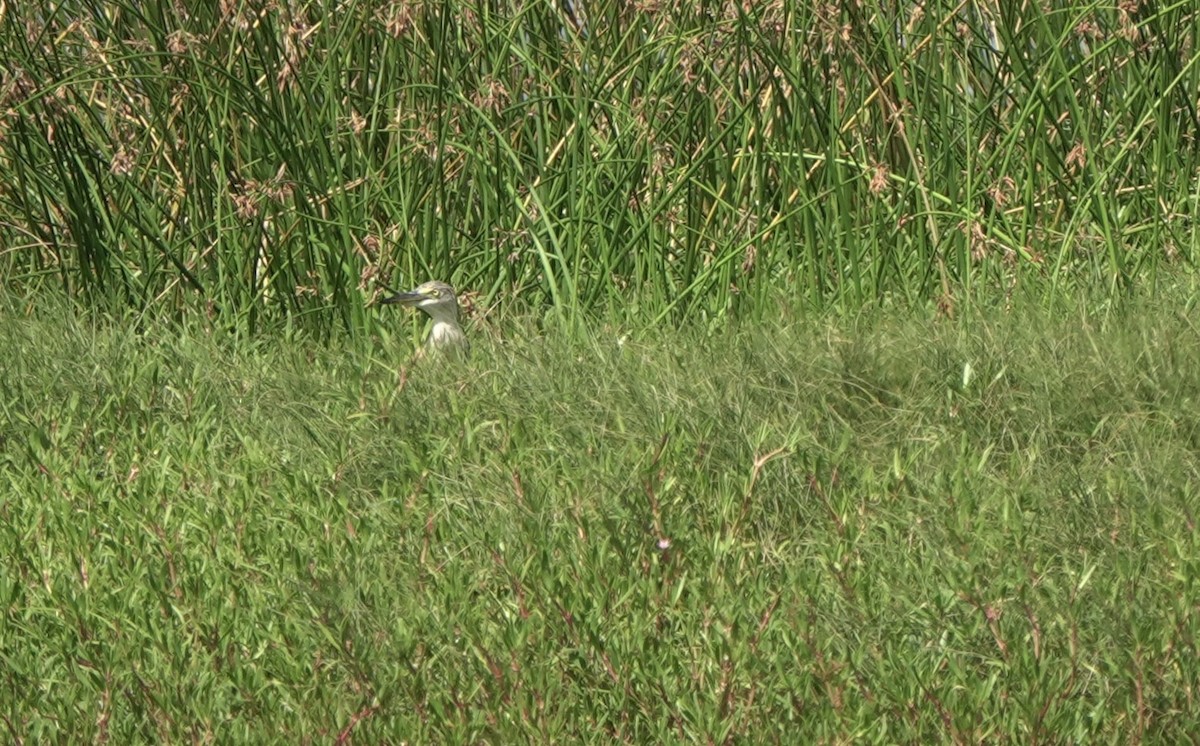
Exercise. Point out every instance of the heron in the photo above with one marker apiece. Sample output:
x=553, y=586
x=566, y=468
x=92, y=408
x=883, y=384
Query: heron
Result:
x=438, y=301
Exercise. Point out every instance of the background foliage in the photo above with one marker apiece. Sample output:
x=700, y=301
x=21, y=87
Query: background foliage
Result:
x=261, y=159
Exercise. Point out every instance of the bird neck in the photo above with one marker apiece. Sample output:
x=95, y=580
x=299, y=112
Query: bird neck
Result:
x=443, y=314
x=445, y=332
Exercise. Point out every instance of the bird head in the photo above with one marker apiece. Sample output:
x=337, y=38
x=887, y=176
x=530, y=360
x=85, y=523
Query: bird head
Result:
x=434, y=298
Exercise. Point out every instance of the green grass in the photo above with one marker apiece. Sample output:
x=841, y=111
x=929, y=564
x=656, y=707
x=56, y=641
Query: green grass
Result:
x=687, y=489
x=873, y=529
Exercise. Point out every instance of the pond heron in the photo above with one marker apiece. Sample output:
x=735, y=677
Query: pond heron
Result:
x=437, y=299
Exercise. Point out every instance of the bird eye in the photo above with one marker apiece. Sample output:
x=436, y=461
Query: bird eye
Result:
x=435, y=293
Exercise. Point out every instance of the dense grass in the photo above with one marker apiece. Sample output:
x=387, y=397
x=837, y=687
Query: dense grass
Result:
x=869, y=530
x=262, y=159
x=687, y=489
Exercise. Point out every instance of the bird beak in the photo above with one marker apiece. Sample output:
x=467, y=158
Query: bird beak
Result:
x=405, y=299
